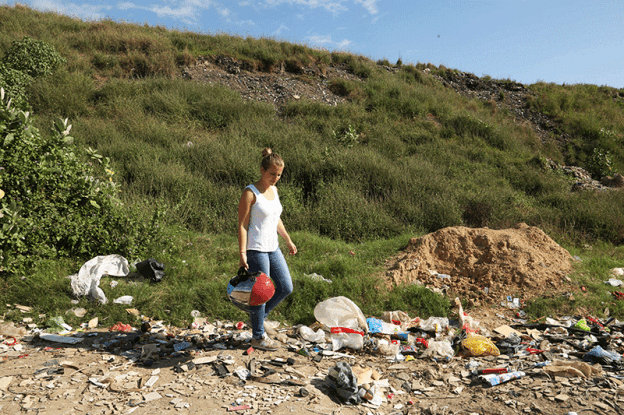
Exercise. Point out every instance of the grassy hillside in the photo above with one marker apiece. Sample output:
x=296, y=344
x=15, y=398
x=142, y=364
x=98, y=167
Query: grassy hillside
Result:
x=404, y=155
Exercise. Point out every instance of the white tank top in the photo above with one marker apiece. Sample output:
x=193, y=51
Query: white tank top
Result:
x=263, y=220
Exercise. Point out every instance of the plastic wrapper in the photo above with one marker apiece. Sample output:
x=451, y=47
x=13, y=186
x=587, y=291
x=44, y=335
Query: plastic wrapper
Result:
x=344, y=382
x=494, y=380
x=480, y=346
x=599, y=355
x=581, y=324
x=376, y=325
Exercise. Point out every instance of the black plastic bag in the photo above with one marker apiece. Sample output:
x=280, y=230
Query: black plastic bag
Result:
x=344, y=382
x=152, y=269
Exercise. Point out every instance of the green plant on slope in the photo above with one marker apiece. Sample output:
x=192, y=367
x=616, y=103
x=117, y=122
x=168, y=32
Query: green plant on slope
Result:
x=26, y=60
x=53, y=205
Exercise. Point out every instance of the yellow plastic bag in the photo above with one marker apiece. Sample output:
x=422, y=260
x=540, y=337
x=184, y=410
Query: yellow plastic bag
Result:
x=480, y=346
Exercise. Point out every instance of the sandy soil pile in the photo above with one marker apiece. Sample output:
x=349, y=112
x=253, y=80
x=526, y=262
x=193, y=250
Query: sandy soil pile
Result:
x=520, y=261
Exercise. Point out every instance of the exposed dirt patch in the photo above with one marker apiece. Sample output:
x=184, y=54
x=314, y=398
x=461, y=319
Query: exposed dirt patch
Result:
x=483, y=264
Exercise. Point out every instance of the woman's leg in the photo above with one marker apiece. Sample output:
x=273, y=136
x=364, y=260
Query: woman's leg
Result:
x=258, y=262
x=281, y=279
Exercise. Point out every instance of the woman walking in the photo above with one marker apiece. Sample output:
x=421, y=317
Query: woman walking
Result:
x=259, y=225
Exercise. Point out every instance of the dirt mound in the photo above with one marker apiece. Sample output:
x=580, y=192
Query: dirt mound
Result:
x=523, y=261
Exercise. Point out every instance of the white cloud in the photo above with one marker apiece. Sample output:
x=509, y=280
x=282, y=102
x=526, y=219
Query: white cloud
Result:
x=187, y=11
x=247, y=23
x=225, y=13
x=332, y=6
x=82, y=11
x=370, y=5
x=318, y=39
x=326, y=41
x=280, y=29
x=343, y=44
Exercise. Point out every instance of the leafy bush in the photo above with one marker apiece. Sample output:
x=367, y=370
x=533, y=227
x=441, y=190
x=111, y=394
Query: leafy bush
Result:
x=52, y=204
x=26, y=60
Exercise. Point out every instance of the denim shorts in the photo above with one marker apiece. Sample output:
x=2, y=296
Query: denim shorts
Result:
x=273, y=264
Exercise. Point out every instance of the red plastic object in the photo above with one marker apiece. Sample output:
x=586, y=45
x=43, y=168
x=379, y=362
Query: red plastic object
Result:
x=121, y=327
x=618, y=295
x=262, y=290
x=239, y=408
x=423, y=342
x=390, y=396
x=346, y=330
x=534, y=351
x=249, y=351
x=12, y=343
x=240, y=325
x=497, y=370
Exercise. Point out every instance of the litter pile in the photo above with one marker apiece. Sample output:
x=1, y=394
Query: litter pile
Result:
x=483, y=263
x=393, y=363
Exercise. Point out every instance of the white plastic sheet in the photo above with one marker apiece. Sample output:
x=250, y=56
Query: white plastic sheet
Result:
x=87, y=280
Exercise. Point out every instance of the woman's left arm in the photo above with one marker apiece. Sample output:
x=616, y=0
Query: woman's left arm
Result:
x=281, y=230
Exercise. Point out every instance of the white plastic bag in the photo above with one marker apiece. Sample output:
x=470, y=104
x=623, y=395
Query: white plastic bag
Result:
x=126, y=299
x=436, y=324
x=439, y=349
x=350, y=340
x=87, y=280
x=310, y=336
x=340, y=312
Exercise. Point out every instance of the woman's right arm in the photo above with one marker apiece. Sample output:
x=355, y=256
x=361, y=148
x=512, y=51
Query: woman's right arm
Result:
x=244, y=212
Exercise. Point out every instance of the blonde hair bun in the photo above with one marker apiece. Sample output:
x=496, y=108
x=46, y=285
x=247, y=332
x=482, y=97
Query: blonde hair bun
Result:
x=266, y=152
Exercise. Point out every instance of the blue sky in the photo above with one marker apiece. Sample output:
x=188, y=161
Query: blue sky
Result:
x=560, y=41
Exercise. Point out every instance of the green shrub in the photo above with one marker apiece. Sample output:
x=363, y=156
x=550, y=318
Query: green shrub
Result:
x=53, y=204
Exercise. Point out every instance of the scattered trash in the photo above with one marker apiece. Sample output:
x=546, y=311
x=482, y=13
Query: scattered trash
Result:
x=316, y=277
x=393, y=361
x=126, y=299
x=614, y=282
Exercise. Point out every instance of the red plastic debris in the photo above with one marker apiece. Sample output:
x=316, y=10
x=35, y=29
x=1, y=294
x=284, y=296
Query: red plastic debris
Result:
x=422, y=341
x=240, y=325
x=249, y=351
x=239, y=408
x=618, y=295
x=346, y=330
x=534, y=351
x=390, y=396
x=13, y=343
x=121, y=327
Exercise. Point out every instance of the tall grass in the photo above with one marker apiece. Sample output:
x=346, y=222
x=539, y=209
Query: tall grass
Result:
x=403, y=155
